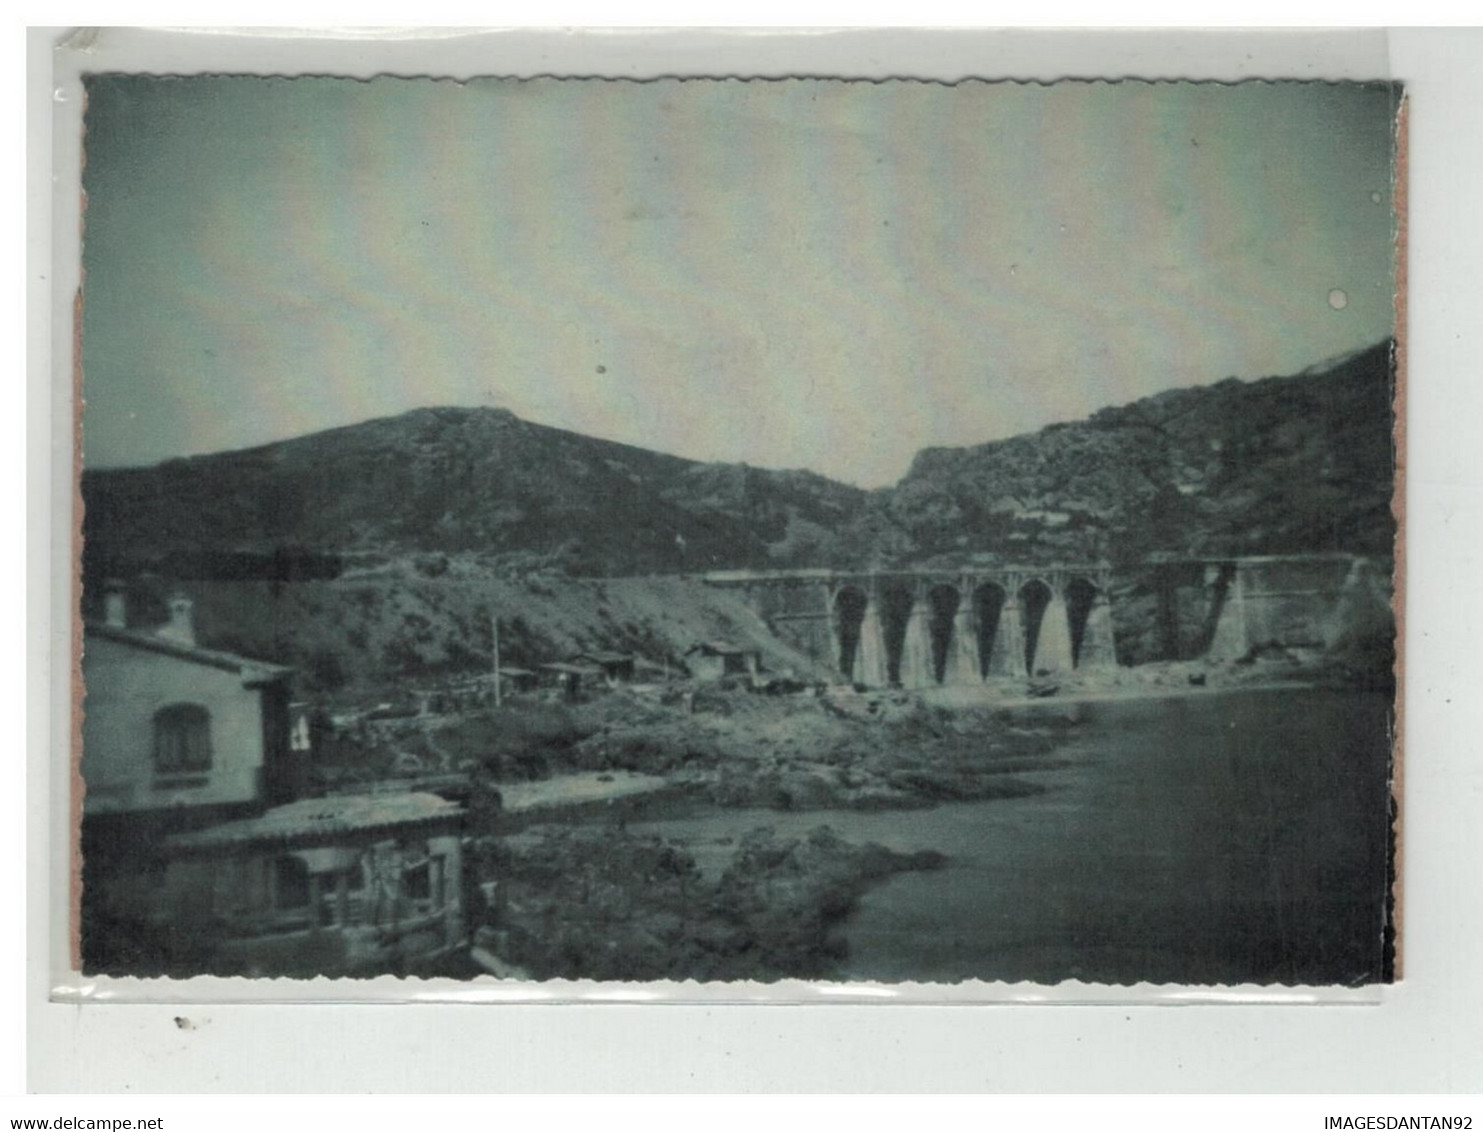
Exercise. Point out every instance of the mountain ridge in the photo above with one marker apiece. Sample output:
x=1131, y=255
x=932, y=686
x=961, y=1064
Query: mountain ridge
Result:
x=1295, y=463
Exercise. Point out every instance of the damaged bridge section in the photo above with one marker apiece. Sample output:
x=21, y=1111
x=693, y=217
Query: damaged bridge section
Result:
x=1223, y=609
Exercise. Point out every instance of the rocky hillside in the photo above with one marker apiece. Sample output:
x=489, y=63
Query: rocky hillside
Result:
x=470, y=479
x=1290, y=464
x=419, y=620
x=1281, y=465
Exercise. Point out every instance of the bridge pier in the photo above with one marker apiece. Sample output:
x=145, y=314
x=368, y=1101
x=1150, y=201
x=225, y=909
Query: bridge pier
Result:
x=915, y=668
x=870, y=654
x=962, y=651
x=1230, y=639
x=1052, y=652
x=1007, y=650
x=1098, y=649
x=1363, y=607
x=1166, y=589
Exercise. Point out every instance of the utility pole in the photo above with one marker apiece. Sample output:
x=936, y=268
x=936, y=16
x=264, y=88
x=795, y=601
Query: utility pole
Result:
x=494, y=633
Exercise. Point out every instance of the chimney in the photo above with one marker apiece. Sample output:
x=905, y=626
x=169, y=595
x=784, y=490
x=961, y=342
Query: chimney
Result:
x=181, y=626
x=116, y=605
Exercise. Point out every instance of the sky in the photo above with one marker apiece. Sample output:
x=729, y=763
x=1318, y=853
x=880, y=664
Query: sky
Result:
x=796, y=274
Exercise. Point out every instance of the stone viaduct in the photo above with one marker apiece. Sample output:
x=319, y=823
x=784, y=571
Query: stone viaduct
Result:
x=918, y=628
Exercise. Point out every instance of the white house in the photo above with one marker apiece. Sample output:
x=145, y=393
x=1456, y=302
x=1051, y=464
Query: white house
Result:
x=168, y=724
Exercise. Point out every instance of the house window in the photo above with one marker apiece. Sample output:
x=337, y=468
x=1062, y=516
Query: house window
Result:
x=422, y=886
x=182, y=739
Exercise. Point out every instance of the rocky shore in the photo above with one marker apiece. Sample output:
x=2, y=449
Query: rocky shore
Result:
x=597, y=902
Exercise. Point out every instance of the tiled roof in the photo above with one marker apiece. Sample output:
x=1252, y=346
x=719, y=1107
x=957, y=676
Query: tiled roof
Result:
x=721, y=648
x=252, y=671
x=572, y=669
x=604, y=657
x=320, y=819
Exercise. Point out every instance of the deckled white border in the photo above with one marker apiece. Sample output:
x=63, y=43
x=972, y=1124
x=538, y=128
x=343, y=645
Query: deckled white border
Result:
x=74, y=989
x=637, y=57
x=1224, y=56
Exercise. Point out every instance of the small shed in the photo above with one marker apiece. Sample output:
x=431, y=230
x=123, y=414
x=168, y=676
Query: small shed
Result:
x=518, y=679
x=570, y=678
x=714, y=660
x=650, y=671
x=617, y=667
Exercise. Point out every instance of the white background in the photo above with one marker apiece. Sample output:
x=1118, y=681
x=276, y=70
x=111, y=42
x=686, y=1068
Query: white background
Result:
x=1425, y=1036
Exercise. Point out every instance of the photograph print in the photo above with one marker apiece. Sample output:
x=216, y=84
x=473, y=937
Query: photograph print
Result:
x=720, y=530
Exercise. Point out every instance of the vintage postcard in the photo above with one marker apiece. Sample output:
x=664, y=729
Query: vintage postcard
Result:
x=726, y=530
